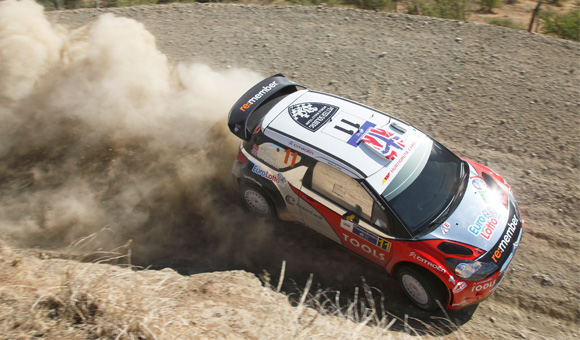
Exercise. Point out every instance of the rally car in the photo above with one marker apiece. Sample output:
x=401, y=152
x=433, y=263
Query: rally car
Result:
x=447, y=228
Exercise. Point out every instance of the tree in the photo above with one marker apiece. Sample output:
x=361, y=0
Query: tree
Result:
x=565, y=26
x=487, y=6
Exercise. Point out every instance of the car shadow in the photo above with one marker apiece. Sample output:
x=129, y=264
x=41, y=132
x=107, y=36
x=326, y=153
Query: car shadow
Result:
x=349, y=283
x=340, y=282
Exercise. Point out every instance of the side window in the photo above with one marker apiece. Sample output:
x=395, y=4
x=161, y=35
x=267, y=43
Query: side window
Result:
x=342, y=189
x=380, y=220
x=275, y=156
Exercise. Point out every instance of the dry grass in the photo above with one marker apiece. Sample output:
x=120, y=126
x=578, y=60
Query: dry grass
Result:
x=66, y=299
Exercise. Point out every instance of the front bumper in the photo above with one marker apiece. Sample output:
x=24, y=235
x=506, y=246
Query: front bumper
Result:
x=478, y=291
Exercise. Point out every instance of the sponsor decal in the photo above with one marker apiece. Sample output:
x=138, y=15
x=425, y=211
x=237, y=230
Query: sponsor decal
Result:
x=278, y=179
x=399, y=161
x=255, y=150
x=312, y=116
x=445, y=227
x=386, y=178
x=459, y=304
x=418, y=258
x=485, y=224
x=300, y=148
x=384, y=142
x=265, y=89
x=394, y=168
x=486, y=196
x=479, y=183
x=291, y=200
x=311, y=211
x=290, y=157
x=366, y=235
x=507, y=237
x=357, y=137
x=489, y=213
x=483, y=285
x=460, y=286
x=337, y=166
x=346, y=225
x=364, y=247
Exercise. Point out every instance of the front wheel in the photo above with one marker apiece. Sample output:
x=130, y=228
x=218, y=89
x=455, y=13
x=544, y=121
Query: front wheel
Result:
x=258, y=202
x=423, y=289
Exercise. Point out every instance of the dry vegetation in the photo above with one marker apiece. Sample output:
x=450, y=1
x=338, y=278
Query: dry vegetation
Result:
x=50, y=298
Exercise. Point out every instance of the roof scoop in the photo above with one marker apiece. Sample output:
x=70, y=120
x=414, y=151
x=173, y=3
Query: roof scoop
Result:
x=399, y=127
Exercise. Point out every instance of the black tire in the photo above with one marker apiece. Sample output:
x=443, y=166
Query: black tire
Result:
x=257, y=201
x=421, y=287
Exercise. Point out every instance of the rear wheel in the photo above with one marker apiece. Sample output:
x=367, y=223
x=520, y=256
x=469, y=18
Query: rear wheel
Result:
x=256, y=201
x=421, y=287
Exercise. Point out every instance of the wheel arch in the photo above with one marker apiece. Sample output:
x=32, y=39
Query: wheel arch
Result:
x=273, y=195
x=429, y=273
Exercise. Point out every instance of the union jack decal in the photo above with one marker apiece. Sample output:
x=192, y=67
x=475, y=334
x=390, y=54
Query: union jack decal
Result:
x=384, y=142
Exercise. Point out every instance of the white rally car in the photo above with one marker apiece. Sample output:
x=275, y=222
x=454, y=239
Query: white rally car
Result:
x=446, y=227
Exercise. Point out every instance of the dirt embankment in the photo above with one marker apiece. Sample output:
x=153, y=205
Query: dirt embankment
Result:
x=111, y=131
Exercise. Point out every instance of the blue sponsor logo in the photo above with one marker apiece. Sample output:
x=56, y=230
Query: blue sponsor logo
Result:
x=478, y=184
x=276, y=178
x=357, y=137
x=370, y=237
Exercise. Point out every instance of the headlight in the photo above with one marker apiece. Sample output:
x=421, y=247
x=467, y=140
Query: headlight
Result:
x=471, y=270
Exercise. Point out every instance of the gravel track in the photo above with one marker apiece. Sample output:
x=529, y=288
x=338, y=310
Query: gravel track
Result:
x=502, y=97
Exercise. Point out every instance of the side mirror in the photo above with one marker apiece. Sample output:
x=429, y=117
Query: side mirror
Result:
x=350, y=216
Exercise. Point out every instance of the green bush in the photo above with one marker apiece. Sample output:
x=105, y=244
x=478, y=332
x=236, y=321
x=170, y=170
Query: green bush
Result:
x=565, y=26
x=509, y=23
x=304, y=2
x=51, y=5
x=370, y=4
x=127, y=3
x=558, y=3
x=487, y=6
x=447, y=9
x=47, y=4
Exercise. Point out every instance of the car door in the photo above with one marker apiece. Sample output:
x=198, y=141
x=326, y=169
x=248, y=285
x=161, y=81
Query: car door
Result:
x=345, y=211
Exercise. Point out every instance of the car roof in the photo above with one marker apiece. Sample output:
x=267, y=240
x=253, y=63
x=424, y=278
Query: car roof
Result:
x=331, y=129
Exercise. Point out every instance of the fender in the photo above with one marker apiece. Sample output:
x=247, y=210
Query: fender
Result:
x=266, y=186
x=423, y=260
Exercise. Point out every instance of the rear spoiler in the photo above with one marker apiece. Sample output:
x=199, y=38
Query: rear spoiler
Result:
x=239, y=120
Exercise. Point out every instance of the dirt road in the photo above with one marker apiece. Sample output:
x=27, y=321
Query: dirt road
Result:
x=504, y=98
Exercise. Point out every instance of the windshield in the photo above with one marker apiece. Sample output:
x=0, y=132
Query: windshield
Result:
x=432, y=191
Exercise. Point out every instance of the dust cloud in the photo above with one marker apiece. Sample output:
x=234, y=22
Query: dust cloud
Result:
x=102, y=140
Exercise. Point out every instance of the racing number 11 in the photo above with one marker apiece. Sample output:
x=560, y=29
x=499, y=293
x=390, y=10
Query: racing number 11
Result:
x=294, y=155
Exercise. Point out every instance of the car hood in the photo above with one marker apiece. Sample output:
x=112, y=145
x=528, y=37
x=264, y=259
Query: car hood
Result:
x=481, y=218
